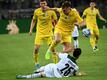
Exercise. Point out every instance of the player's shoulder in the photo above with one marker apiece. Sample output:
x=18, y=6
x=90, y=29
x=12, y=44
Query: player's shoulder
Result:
x=74, y=9
x=63, y=55
x=96, y=9
x=51, y=11
x=87, y=9
x=37, y=10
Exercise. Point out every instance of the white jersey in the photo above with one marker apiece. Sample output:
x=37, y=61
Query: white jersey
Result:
x=75, y=32
x=65, y=67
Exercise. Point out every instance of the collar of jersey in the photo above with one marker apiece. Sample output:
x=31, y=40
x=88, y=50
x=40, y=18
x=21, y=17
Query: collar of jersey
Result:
x=72, y=58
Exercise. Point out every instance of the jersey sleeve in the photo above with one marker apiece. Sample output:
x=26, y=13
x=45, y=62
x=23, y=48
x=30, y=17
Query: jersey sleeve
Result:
x=85, y=13
x=78, y=18
x=54, y=16
x=34, y=15
x=62, y=55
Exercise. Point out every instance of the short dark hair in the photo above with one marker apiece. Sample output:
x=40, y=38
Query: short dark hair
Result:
x=66, y=4
x=77, y=53
x=94, y=1
x=42, y=0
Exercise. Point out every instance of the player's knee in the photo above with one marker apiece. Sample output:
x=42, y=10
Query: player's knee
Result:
x=75, y=38
x=97, y=37
x=36, y=49
x=57, y=41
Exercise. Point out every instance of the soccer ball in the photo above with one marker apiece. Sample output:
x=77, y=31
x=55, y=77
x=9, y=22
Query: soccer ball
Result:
x=86, y=32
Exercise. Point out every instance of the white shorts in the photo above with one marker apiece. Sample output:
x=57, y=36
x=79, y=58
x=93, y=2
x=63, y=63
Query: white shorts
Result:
x=75, y=33
x=50, y=71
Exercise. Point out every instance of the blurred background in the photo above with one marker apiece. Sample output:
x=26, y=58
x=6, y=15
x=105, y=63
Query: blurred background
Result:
x=22, y=11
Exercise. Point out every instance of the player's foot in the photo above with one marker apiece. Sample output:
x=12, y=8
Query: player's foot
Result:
x=20, y=77
x=95, y=49
x=48, y=54
x=37, y=66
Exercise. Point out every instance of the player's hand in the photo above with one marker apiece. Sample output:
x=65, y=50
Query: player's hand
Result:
x=30, y=33
x=81, y=74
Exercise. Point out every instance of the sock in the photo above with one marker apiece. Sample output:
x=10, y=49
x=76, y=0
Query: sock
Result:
x=76, y=43
x=52, y=46
x=33, y=75
x=36, y=57
x=92, y=41
x=96, y=42
x=55, y=58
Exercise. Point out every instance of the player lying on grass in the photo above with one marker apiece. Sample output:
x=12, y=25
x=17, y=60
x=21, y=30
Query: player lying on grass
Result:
x=64, y=68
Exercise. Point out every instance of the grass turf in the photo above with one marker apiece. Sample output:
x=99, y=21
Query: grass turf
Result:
x=16, y=57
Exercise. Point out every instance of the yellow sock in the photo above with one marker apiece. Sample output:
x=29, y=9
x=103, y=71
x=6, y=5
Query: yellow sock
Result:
x=36, y=57
x=55, y=58
x=92, y=42
x=96, y=41
x=52, y=45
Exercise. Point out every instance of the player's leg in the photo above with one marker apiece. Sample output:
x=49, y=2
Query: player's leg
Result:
x=36, y=51
x=54, y=56
x=49, y=70
x=34, y=75
x=96, y=39
x=92, y=39
x=93, y=42
x=76, y=42
x=57, y=39
x=45, y=71
x=36, y=56
x=75, y=35
x=67, y=46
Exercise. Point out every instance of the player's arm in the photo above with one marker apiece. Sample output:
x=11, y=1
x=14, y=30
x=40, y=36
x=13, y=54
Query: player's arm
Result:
x=101, y=18
x=84, y=14
x=80, y=22
x=54, y=9
x=83, y=23
x=79, y=74
x=54, y=18
x=32, y=23
x=31, y=26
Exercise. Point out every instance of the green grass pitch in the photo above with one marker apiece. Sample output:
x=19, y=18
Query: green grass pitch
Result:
x=16, y=57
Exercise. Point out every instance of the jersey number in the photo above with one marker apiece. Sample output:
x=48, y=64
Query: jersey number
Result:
x=66, y=70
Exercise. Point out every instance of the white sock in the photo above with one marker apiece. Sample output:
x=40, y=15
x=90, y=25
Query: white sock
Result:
x=76, y=43
x=33, y=75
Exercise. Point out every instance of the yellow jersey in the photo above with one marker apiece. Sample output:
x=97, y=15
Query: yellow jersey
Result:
x=66, y=22
x=44, y=21
x=91, y=15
